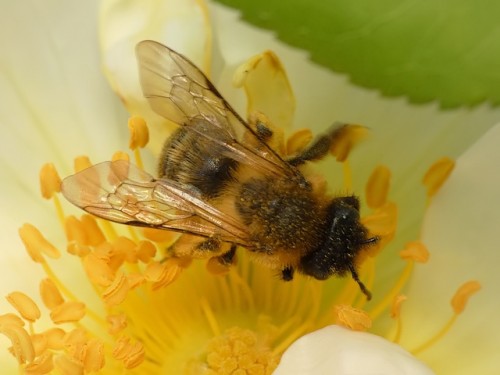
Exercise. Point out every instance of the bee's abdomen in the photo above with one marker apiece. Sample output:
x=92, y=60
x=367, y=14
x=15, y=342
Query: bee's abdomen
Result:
x=190, y=159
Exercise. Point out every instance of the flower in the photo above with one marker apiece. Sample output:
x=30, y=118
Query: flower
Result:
x=319, y=90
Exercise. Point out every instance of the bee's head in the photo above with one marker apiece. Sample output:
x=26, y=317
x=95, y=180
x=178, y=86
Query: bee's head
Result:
x=344, y=237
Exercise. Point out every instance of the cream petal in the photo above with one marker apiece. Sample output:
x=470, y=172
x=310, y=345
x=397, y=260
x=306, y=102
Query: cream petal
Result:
x=461, y=232
x=180, y=24
x=337, y=350
x=56, y=104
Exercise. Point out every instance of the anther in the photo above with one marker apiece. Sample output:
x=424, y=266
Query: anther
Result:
x=377, y=187
x=437, y=174
x=353, y=318
x=415, y=251
x=24, y=305
x=50, y=182
x=36, y=244
x=463, y=294
x=349, y=136
x=139, y=133
x=81, y=162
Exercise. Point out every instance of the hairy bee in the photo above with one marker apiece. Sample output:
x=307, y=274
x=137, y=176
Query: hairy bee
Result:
x=219, y=180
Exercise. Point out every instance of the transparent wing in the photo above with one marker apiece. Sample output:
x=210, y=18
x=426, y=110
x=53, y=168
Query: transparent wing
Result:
x=121, y=192
x=177, y=90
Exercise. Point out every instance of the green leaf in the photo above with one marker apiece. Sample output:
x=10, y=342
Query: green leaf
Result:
x=444, y=50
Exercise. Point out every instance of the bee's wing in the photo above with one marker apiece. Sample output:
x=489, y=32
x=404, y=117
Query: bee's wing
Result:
x=177, y=90
x=120, y=192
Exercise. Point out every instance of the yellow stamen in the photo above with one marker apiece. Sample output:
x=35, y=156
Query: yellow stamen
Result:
x=50, y=182
x=347, y=174
x=55, y=338
x=120, y=155
x=94, y=355
x=94, y=234
x=415, y=251
x=36, y=244
x=139, y=137
x=11, y=319
x=68, y=365
x=396, y=314
x=117, y=291
x=75, y=231
x=22, y=347
x=132, y=354
x=461, y=297
x=139, y=133
x=43, y=364
x=458, y=303
x=66, y=312
x=51, y=296
x=81, y=163
x=98, y=270
x=117, y=323
x=353, y=318
x=437, y=175
x=349, y=136
x=24, y=305
x=298, y=141
x=377, y=187
x=209, y=315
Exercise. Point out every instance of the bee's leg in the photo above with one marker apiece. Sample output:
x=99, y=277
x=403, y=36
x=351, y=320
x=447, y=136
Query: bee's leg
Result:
x=319, y=148
x=194, y=246
x=287, y=273
x=227, y=259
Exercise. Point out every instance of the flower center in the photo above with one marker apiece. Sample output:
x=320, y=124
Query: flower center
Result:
x=148, y=315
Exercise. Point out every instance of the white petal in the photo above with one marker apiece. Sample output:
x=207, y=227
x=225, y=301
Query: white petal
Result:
x=337, y=350
x=461, y=230
x=56, y=105
x=180, y=24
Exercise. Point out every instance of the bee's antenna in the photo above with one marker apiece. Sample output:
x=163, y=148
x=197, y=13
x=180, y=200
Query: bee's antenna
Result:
x=362, y=286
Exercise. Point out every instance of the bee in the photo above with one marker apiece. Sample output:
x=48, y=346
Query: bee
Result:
x=223, y=186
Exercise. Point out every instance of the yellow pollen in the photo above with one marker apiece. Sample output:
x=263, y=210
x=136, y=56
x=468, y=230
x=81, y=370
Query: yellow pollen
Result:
x=81, y=162
x=350, y=136
x=24, y=305
x=298, y=141
x=55, y=338
x=51, y=296
x=353, y=318
x=158, y=235
x=437, y=174
x=236, y=351
x=66, y=312
x=145, y=251
x=377, y=187
x=50, y=182
x=415, y=251
x=36, y=244
x=163, y=273
x=461, y=297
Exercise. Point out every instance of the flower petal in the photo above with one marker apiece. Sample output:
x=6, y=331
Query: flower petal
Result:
x=337, y=350
x=180, y=24
x=461, y=232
